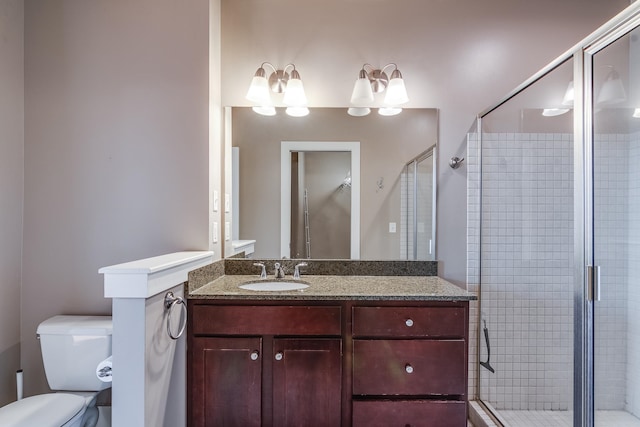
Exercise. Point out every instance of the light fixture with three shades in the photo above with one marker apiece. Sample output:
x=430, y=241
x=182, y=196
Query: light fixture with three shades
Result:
x=279, y=81
x=371, y=80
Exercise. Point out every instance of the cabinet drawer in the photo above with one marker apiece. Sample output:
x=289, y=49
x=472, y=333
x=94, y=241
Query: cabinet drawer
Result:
x=424, y=413
x=408, y=322
x=265, y=320
x=409, y=367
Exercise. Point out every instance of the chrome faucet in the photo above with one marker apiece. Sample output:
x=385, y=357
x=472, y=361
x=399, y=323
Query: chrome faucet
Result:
x=263, y=273
x=279, y=271
x=296, y=272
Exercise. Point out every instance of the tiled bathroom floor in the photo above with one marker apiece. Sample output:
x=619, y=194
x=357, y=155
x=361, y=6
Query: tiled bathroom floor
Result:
x=564, y=419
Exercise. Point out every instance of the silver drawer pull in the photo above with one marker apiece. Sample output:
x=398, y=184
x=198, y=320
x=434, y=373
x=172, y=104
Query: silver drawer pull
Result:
x=408, y=322
x=408, y=368
x=255, y=355
x=279, y=355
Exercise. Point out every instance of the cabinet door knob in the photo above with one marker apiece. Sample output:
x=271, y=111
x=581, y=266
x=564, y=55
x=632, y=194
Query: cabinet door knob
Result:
x=254, y=355
x=408, y=322
x=279, y=355
x=408, y=368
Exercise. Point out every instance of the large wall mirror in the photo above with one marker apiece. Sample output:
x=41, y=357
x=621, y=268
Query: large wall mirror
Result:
x=378, y=206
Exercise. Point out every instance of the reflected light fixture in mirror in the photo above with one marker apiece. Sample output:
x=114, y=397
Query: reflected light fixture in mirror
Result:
x=567, y=101
x=569, y=95
x=279, y=81
x=359, y=111
x=372, y=81
x=612, y=90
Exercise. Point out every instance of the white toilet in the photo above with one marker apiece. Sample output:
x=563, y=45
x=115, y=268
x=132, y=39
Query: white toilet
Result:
x=72, y=347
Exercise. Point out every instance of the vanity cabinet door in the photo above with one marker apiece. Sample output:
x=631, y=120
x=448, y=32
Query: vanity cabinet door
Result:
x=227, y=381
x=307, y=377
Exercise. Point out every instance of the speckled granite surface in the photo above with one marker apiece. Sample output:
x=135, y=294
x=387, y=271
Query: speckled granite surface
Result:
x=336, y=267
x=221, y=280
x=409, y=288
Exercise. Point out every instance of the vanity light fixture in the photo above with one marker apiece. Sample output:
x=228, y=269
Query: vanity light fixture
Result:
x=370, y=81
x=279, y=81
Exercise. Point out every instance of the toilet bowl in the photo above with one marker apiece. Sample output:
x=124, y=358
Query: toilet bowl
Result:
x=72, y=347
x=45, y=410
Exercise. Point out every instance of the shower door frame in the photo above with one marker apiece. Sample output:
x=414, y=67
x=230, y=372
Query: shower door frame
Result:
x=585, y=280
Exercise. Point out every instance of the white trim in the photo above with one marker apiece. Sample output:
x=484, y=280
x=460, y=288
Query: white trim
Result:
x=286, y=148
x=147, y=277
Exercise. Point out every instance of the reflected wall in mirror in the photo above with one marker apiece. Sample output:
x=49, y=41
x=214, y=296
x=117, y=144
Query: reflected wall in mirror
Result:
x=320, y=199
x=387, y=144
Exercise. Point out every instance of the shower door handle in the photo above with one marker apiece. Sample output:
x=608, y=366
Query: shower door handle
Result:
x=593, y=282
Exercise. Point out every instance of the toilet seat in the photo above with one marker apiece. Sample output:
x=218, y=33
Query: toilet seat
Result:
x=43, y=410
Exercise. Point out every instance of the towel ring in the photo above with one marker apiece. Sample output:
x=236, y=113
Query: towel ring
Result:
x=170, y=301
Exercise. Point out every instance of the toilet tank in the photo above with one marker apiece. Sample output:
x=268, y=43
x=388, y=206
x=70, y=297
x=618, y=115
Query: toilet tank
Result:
x=72, y=347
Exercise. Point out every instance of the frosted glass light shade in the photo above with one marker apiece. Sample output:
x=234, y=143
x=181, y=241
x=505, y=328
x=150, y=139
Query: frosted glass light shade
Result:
x=294, y=95
x=358, y=111
x=612, y=91
x=259, y=91
x=297, y=111
x=362, y=94
x=636, y=113
x=396, y=92
x=389, y=111
x=552, y=112
x=267, y=110
x=569, y=95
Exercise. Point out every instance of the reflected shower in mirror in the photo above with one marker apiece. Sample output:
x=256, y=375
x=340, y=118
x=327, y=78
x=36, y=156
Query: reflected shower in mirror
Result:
x=320, y=204
x=385, y=144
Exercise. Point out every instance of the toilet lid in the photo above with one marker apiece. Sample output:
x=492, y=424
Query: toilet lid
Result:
x=43, y=410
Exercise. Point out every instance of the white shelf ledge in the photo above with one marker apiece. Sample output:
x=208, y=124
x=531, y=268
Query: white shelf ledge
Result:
x=150, y=276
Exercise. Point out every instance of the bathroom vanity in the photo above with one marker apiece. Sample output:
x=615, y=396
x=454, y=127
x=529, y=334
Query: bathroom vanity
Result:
x=347, y=350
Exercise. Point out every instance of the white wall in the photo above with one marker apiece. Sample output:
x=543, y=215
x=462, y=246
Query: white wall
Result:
x=459, y=56
x=11, y=189
x=116, y=147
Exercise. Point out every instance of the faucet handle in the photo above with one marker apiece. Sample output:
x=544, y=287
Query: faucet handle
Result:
x=296, y=272
x=263, y=273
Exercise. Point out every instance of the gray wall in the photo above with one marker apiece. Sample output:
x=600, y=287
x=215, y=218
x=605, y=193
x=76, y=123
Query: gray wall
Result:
x=459, y=56
x=11, y=189
x=116, y=148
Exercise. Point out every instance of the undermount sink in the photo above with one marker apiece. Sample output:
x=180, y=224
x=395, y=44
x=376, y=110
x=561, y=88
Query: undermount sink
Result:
x=274, y=286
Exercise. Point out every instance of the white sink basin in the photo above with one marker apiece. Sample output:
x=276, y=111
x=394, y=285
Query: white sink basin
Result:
x=274, y=286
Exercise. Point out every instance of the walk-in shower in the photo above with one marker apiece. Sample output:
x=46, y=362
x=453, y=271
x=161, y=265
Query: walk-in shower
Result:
x=417, y=206
x=554, y=240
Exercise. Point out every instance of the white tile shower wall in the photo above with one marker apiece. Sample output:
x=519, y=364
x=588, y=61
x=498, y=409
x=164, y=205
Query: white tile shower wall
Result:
x=527, y=257
x=526, y=268
x=425, y=202
x=633, y=329
x=473, y=254
x=611, y=253
x=406, y=214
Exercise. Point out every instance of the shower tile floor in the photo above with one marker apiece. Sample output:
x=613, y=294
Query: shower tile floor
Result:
x=564, y=419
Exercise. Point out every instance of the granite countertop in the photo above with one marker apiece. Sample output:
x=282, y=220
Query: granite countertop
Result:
x=330, y=287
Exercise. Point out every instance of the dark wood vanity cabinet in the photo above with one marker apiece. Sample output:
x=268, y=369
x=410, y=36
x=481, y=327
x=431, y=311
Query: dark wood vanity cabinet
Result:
x=410, y=365
x=367, y=363
x=264, y=365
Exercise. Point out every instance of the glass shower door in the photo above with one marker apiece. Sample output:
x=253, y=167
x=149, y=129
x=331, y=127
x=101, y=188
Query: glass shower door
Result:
x=526, y=258
x=616, y=231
